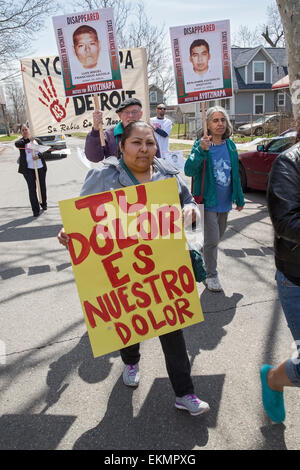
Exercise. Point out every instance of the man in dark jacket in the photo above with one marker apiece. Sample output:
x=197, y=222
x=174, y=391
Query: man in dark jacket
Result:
x=284, y=206
x=129, y=111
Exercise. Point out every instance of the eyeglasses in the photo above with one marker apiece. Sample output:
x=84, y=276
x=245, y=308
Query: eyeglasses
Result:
x=162, y=108
x=131, y=113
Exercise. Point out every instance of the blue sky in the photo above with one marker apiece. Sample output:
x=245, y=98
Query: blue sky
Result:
x=175, y=13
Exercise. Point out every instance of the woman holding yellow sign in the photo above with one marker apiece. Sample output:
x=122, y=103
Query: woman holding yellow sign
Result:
x=136, y=165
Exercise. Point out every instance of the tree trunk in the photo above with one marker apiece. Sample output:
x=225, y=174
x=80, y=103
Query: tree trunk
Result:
x=290, y=16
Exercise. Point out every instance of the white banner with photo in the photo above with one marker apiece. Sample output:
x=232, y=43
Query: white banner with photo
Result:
x=50, y=112
x=87, y=48
x=176, y=158
x=202, y=61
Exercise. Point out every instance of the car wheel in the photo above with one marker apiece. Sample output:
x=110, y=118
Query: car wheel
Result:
x=243, y=178
x=258, y=131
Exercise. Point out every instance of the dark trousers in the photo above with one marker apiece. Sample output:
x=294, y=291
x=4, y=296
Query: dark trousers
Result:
x=177, y=361
x=31, y=183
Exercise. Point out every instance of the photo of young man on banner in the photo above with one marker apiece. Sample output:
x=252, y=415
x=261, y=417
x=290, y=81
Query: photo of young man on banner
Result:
x=88, y=52
x=202, y=61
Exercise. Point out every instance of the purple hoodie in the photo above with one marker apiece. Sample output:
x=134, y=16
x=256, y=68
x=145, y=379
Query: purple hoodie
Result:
x=95, y=152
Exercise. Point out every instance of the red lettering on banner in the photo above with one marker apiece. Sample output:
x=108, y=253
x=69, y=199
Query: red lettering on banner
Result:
x=113, y=304
x=187, y=284
x=112, y=270
x=136, y=206
x=142, y=328
x=167, y=216
x=170, y=284
x=151, y=280
x=85, y=248
x=109, y=243
x=171, y=321
x=91, y=310
x=156, y=325
x=123, y=298
x=149, y=217
x=122, y=241
x=149, y=263
x=141, y=295
x=123, y=331
x=95, y=204
x=182, y=309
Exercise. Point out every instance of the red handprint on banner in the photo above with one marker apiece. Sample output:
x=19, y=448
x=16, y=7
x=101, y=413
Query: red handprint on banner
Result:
x=49, y=93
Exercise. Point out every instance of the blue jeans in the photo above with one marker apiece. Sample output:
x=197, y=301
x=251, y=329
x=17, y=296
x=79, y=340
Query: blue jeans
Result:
x=289, y=296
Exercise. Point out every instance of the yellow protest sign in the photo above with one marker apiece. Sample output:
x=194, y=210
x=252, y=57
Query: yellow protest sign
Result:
x=132, y=270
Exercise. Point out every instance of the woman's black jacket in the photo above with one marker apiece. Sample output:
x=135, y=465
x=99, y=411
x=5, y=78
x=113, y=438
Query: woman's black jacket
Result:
x=20, y=144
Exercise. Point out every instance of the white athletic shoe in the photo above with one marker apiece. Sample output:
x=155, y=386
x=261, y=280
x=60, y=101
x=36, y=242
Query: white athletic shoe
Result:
x=213, y=284
x=131, y=375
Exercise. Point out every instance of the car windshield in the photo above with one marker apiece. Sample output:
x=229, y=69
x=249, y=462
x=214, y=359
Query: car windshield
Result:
x=281, y=144
x=263, y=119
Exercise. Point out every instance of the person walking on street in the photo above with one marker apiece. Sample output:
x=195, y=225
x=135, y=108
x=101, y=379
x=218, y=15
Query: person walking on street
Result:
x=214, y=166
x=130, y=110
x=162, y=127
x=26, y=167
x=283, y=197
x=136, y=165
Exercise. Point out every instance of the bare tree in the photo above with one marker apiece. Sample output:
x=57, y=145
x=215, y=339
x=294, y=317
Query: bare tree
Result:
x=142, y=33
x=273, y=31
x=245, y=37
x=20, y=20
x=135, y=29
x=122, y=9
x=165, y=81
x=290, y=16
x=15, y=102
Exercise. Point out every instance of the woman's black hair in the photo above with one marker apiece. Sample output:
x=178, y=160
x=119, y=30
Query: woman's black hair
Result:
x=128, y=131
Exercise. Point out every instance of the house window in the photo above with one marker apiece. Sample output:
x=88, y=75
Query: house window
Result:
x=281, y=99
x=259, y=104
x=225, y=104
x=153, y=96
x=259, y=71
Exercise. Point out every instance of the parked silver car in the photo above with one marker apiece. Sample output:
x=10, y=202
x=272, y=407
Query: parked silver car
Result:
x=55, y=142
x=261, y=126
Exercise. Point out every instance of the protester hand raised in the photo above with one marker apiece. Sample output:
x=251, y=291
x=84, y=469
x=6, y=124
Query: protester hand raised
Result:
x=205, y=142
x=97, y=119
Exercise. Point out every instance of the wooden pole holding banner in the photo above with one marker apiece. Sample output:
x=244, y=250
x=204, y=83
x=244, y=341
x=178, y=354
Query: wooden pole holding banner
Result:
x=36, y=176
x=204, y=120
x=97, y=107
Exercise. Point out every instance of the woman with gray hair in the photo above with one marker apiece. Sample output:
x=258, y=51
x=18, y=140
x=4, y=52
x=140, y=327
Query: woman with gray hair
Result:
x=214, y=166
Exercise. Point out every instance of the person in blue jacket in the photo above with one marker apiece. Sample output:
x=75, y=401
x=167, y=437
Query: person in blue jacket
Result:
x=214, y=166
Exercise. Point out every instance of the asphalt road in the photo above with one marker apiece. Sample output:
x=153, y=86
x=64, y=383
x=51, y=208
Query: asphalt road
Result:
x=54, y=395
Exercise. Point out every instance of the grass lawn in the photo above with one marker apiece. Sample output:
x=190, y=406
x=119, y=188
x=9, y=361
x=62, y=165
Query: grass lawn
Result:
x=80, y=135
x=178, y=131
x=243, y=139
x=186, y=148
x=5, y=138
